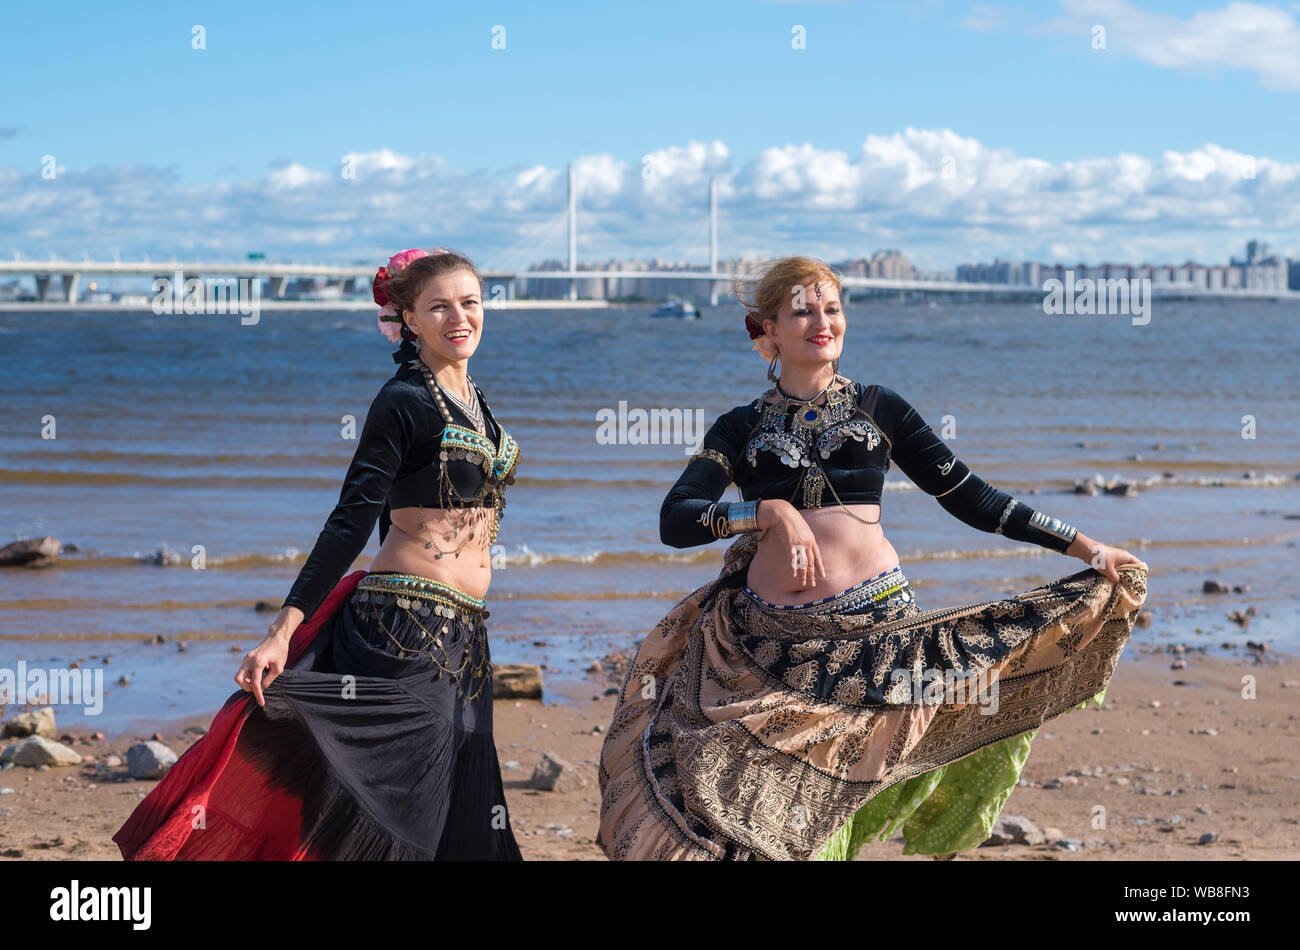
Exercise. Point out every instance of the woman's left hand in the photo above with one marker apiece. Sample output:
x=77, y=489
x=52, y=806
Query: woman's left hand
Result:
x=1103, y=558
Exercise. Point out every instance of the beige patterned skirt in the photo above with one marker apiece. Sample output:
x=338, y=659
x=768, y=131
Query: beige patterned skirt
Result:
x=744, y=731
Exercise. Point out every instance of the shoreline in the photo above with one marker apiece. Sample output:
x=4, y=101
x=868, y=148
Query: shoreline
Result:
x=1166, y=763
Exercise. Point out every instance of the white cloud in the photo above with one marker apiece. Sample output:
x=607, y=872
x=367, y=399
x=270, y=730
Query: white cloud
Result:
x=1247, y=36
x=294, y=176
x=938, y=195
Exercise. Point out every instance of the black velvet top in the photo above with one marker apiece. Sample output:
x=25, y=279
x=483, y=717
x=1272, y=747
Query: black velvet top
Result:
x=853, y=446
x=405, y=450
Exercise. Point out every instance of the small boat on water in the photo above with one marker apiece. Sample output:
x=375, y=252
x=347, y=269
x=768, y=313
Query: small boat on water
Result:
x=682, y=309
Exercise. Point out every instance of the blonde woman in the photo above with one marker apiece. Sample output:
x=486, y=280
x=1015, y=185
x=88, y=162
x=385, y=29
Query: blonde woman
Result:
x=803, y=702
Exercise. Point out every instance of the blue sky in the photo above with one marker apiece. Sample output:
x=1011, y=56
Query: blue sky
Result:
x=824, y=149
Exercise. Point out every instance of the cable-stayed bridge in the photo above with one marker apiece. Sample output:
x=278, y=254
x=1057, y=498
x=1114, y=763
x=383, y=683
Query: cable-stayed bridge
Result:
x=58, y=281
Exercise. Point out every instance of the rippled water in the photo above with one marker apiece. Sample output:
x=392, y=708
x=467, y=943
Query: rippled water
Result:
x=194, y=430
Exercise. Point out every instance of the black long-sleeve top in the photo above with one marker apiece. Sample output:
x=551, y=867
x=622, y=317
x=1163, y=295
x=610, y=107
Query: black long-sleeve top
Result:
x=854, y=467
x=397, y=465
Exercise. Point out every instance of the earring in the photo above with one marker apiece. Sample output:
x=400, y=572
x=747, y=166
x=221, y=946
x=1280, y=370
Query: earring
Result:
x=771, y=367
x=835, y=366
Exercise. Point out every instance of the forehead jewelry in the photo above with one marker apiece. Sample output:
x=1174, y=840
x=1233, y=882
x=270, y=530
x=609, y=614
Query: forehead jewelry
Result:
x=817, y=288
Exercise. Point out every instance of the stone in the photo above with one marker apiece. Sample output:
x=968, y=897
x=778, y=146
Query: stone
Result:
x=149, y=760
x=516, y=681
x=1208, y=838
x=37, y=751
x=1014, y=829
x=164, y=557
x=554, y=774
x=33, y=552
x=38, y=722
x=1214, y=587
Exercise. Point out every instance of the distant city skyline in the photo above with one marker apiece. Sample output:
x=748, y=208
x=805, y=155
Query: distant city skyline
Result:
x=1259, y=270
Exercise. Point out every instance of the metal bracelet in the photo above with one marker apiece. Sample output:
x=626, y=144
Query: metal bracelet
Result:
x=742, y=517
x=1002, y=522
x=1053, y=526
x=707, y=518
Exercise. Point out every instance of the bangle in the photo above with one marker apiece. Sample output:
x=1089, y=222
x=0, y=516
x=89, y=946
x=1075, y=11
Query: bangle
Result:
x=728, y=518
x=742, y=516
x=1053, y=526
x=714, y=520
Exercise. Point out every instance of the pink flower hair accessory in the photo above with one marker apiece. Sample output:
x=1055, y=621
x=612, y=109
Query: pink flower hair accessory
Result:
x=389, y=320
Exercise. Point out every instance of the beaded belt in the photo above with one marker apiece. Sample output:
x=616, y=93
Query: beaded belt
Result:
x=871, y=591
x=422, y=595
x=425, y=597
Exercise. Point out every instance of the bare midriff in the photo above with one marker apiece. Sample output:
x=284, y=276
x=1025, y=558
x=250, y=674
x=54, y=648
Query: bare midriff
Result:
x=852, y=552
x=405, y=548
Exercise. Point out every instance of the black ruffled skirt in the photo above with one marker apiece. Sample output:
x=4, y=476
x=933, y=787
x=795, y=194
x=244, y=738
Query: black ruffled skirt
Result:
x=375, y=743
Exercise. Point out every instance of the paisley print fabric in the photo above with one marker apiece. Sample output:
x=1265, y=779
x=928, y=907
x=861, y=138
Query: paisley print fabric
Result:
x=742, y=731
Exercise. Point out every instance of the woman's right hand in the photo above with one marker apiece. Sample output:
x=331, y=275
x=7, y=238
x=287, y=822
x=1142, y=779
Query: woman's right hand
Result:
x=270, y=656
x=785, y=528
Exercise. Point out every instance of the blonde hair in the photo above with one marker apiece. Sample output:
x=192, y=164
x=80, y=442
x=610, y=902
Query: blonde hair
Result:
x=762, y=293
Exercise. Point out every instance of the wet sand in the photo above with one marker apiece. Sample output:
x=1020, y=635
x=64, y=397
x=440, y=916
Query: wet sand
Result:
x=1204, y=759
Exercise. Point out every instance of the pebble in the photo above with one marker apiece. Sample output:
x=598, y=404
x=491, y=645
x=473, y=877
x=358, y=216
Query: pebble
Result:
x=149, y=760
x=38, y=722
x=40, y=753
x=1209, y=837
x=554, y=774
x=1014, y=829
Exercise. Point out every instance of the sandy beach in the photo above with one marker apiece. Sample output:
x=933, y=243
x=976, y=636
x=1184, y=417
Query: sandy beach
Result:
x=1173, y=753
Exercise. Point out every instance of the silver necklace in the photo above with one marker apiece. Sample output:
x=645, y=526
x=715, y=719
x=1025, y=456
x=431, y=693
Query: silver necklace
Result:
x=473, y=410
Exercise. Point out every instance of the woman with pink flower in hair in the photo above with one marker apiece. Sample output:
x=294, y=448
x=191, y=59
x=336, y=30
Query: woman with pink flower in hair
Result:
x=363, y=725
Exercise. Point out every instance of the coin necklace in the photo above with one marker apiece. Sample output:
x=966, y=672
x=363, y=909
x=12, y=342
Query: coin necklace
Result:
x=806, y=419
x=475, y=414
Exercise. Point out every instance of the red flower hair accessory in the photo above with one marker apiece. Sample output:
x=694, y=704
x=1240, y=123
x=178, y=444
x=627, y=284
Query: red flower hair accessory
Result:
x=752, y=325
x=377, y=286
x=390, y=322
